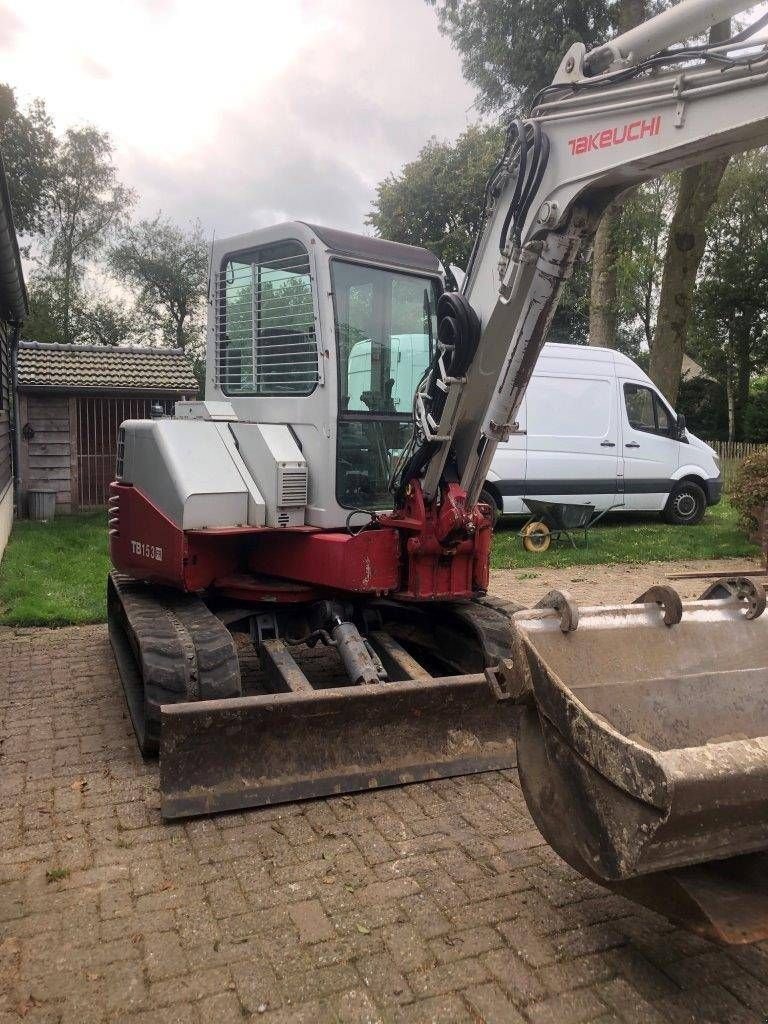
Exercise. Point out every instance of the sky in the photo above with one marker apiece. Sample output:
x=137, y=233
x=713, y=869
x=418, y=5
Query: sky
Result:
x=248, y=112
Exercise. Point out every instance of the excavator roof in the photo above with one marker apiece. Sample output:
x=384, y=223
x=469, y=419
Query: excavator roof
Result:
x=341, y=243
x=377, y=250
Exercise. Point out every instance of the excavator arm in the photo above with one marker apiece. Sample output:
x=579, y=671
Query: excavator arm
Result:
x=643, y=746
x=626, y=112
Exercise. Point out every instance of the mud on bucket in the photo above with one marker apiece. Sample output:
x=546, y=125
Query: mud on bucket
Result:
x=646, y=747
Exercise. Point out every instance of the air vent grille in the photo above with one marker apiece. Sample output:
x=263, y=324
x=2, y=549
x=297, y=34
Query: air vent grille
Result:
x=120, y=454
x=292, y=486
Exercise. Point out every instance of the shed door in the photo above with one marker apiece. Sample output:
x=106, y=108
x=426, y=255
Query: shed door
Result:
x=98, y=420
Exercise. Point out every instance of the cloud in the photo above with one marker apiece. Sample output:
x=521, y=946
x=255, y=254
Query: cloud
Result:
x=10, y=27
x=257, y=113
x=312, y=142
x=93, y=69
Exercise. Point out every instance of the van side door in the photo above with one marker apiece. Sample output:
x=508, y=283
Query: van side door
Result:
x=650, y=446
x=573, y=439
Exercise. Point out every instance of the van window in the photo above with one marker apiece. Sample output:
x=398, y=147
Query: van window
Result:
x=646, y=411
x=571, y=406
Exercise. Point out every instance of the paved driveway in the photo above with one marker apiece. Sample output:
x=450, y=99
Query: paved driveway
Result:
x=435, y=902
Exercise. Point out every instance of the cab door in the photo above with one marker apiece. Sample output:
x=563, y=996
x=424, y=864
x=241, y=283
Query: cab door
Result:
x=650, y=447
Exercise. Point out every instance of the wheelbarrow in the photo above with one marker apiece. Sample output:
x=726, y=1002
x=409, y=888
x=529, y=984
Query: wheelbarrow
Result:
x=555, y=519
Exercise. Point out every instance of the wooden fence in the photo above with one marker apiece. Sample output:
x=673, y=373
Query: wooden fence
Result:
x=731, y=453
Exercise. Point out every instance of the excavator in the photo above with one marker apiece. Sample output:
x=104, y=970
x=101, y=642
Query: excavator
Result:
x=325, y=505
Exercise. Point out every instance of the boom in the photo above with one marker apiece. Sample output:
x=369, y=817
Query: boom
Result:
x=611, y=119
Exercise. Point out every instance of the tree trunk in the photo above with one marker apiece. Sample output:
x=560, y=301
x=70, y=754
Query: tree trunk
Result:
x=743, y=367
x=603, y=311
x=729, y=391
x=685, y=247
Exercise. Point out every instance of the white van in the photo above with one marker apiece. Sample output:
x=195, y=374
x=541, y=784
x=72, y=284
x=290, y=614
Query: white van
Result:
x=595, y=429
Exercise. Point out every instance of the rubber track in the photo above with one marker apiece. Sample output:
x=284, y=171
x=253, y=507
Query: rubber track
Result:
x=182, y=651
x=489, y=618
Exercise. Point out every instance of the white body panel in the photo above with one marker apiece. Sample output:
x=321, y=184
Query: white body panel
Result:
x=577, y=430
x=208, y=474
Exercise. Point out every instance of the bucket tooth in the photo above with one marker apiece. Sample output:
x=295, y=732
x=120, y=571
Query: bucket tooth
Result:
x=645, y=751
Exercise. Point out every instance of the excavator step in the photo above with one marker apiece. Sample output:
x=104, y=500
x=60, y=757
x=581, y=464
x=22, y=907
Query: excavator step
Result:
x=643, y=754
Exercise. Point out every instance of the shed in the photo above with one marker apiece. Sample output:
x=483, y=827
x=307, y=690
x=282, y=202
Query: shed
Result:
x=13, y=310
x=72, y=400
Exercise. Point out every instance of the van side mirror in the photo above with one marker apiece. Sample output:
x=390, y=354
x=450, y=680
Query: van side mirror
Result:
x=681, y=427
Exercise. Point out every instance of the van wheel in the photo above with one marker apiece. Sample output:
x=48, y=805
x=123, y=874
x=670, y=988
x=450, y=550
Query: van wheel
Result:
x=686, y=504
x=487, y=498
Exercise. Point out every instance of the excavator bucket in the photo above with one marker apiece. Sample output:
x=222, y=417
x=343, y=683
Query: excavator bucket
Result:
x=643, y=750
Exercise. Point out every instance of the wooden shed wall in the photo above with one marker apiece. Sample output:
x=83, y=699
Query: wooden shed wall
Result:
x=6, y=469
x=46, y=458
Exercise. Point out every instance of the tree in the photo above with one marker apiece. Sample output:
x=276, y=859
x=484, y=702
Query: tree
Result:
x=685, y=248
x=604, y=289
x=437, y=199
x=640, y=241
x=29, y=149
x=88, y=204
x=97, y=317
x=510, y=50
x=169, y=267
x=43, y=322
x=729, y=333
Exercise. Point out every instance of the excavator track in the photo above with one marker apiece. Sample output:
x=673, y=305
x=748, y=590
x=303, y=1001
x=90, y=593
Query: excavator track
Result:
x=305, y=741
x=169, y=649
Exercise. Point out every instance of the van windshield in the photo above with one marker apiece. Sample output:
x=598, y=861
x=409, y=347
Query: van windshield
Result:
x=385, y=330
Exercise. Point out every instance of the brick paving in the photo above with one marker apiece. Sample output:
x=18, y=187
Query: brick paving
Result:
x=436, y=902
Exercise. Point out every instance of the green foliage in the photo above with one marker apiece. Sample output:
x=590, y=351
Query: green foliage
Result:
x=437, y=199
x=54, y=574
x=749, y=493
x=97, y=317
x=168, y=266
x=57, y=874
x=631, y=539
x=756, y=417
x=510, y=50
x=702, y=402
x=642, y=233
x=729, y=330
x=29, y=150
x=88, y=205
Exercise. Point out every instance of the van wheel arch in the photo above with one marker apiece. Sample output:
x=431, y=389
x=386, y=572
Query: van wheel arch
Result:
x=491, y=492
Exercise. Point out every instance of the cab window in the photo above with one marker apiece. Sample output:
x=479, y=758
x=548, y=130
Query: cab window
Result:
x=646, y=411
x=385, y=331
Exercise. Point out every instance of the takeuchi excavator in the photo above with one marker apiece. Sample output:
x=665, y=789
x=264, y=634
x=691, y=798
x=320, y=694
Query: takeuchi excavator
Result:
x=324, y=505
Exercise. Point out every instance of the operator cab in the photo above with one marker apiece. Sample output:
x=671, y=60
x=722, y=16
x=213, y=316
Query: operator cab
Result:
x=330, y=333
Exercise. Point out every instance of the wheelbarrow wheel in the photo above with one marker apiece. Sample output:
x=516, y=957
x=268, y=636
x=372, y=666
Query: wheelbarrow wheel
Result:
x=536, y=537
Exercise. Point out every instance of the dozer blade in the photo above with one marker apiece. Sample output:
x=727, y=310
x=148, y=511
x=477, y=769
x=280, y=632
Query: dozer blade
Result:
x=252, y=751
x=644, y=753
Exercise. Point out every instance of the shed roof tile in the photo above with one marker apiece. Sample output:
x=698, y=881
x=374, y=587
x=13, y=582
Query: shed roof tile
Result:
x=66, y=367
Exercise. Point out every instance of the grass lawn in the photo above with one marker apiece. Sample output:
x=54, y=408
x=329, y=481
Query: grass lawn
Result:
x=54, y=574
x=630, y=538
